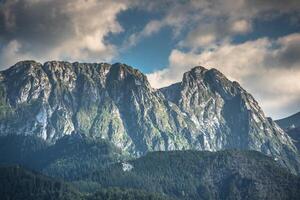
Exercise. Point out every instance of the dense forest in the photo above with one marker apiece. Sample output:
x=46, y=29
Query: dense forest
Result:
x=95, y=169
x=17, y=183
x=198, y=175
x=70, y=158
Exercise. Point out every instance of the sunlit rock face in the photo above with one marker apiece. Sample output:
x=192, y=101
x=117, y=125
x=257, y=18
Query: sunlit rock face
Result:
x=227, y=117
x=205, y=111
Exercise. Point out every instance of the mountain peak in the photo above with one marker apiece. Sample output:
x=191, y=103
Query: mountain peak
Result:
x=200, y=72
x=23, y=66
x=206, y=111
x=195, y=73
x=123, y=70
x=198, y=69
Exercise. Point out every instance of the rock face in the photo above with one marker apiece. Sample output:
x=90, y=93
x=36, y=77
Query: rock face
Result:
x=226, y=115
x=290, y=122
x=205, y=111
x=291, y=125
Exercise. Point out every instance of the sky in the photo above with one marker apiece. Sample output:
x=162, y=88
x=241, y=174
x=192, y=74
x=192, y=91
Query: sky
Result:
x=254, y=42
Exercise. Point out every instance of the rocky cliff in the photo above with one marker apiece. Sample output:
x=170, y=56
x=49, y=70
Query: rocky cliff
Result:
x=205, y=111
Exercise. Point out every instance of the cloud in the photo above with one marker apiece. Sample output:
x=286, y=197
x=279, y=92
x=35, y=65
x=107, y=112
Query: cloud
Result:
x=208, y=22
x=264, y=67
x=289, y=55
x=11, y=52
x=269, y=69
x=152, y=27
x=58, y=29
x=174, y=18
x=241, y=26
x=77, y=30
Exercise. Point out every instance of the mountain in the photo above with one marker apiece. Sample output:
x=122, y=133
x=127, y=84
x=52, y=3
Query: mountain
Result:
x=196, y=175
x=226, y=115
x=205, y=111
x=291, y=125
x=70, y=158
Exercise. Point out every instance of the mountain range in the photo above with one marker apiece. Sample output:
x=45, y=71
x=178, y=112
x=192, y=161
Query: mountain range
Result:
x=93, y=131
x=205, y=111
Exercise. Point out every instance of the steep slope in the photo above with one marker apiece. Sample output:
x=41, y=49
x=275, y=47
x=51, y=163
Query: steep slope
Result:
x=294, y=133
x=113, y=102
x=291, y=125
x=205, y=111
x=290, y=122
x=204, y=175
x=227, y=116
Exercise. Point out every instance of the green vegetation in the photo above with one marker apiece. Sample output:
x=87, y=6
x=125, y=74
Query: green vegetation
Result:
x=85, y=116
x=16, y=149
x=94, y=165
x=19, y=184
x=125, y=194
x=204, y=175
x=5, y=110
x=71, y=158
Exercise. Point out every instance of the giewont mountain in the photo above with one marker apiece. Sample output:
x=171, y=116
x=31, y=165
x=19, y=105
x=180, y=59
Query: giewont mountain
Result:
x=205, y=111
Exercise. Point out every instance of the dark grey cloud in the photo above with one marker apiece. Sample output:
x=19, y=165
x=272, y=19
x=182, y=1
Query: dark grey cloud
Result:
x=35, y=24
x=289, y=56
x=58, y=29
x=76, y=29
x=210, y=21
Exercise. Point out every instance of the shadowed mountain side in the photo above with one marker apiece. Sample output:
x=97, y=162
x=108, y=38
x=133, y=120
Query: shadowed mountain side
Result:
x=205, y=111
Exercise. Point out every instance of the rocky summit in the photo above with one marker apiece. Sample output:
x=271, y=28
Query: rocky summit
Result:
x=205, y=111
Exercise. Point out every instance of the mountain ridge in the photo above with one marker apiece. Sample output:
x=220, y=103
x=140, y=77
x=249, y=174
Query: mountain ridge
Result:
x=117, y=103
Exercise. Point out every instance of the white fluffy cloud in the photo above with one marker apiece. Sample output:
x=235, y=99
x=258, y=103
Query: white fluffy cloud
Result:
x=210, y=21
x=76, y=30
x=270, y=70
x=58, y=29
x=241, y=26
